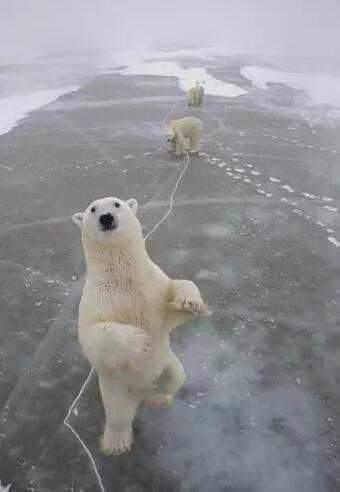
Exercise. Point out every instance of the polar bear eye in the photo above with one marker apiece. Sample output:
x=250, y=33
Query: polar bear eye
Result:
x=93, y=209
x=117, y=204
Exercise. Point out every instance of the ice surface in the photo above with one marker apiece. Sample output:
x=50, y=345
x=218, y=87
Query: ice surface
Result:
x=259, y=409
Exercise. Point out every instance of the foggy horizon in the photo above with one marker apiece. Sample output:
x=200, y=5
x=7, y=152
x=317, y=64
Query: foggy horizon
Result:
x=32, y=29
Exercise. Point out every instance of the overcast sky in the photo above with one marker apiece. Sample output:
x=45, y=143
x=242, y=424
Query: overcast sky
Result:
x=36, y=27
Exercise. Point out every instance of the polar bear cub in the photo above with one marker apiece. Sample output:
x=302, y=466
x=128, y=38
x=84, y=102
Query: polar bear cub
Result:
x=184, y=135
x=195, y=95
x=128, y=308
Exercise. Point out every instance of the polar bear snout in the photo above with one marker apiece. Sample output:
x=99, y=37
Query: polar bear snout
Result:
x=108, y=222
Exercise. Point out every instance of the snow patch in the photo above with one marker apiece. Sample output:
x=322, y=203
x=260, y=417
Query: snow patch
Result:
x=15, y=108
x=322, y=89
x=187, y=78
x=287, y=188
x=334, y=241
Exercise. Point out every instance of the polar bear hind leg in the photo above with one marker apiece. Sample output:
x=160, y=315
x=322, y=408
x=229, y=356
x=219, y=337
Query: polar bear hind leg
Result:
x=194, y=142
x=172, y=376
x=167, y=384
x=178, y=149
x=197, y=98
x=159, y=400
x=120, y=408
x=179, y=144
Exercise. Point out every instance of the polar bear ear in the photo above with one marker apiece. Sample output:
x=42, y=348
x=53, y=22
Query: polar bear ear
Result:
x=133, y=204
x=78, y=219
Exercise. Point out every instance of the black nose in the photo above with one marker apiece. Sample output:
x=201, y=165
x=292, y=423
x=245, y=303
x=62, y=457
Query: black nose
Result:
x=107, y=221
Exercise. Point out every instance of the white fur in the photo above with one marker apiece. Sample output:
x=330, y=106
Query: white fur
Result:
x=185, y=131
x=128, y=309
x=195, y=95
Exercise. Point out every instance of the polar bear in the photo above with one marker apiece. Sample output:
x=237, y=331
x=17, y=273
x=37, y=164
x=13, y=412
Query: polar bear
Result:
x=183, y=131
x=128, y=308
x=195, y=95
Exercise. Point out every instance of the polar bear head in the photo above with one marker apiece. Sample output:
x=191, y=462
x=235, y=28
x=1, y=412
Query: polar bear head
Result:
x=109, y=221
x=171, y=137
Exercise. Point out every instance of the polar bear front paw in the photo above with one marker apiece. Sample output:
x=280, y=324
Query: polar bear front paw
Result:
x=131, y=344
x=195, y=307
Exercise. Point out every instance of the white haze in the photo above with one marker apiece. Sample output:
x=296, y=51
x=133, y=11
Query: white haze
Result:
x=35, y=28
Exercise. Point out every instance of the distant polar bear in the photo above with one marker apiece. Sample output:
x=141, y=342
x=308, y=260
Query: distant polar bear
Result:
x=195, y=95
x=128, y=308
x=185, y=135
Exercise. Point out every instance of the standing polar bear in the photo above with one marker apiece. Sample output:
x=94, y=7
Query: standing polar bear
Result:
x=195, y=95
x=184, y=135
x=128, y=308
